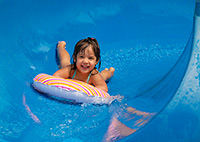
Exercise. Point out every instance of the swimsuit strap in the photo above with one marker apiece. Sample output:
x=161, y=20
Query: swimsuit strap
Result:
x=88, y=76
x=74, y=74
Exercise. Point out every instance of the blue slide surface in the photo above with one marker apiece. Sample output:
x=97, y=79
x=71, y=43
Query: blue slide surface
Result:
x=153, y=46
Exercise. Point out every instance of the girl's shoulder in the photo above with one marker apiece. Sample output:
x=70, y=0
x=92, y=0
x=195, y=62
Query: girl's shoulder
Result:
x=68, y=71
x=97, y=80
x=94, y=72
x=95, y=75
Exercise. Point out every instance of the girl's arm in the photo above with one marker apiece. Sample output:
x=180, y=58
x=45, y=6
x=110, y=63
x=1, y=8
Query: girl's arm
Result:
x=64, y=72
x=98, y=82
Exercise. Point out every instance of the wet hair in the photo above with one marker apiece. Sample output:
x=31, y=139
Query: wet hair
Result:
x=82, y=45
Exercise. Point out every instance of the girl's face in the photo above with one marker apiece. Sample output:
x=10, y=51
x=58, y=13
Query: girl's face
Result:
x=86, y=60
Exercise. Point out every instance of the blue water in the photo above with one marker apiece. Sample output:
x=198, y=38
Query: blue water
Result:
x=143, y=40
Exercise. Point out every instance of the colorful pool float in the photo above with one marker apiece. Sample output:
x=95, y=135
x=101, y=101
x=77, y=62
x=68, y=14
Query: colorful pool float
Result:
x=70, y=89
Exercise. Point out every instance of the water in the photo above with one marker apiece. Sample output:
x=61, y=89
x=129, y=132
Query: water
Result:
x=141, y=40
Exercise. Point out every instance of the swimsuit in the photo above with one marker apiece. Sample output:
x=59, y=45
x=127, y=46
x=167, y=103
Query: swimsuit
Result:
x=87, y=78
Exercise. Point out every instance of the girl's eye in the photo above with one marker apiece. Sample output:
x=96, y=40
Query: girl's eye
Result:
x=81, y=56
x=91, y=58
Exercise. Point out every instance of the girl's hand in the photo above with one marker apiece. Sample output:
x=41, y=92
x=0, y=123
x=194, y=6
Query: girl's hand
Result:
x=61, y=44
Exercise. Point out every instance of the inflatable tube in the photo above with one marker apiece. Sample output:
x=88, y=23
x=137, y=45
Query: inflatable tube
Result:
x=70, y=89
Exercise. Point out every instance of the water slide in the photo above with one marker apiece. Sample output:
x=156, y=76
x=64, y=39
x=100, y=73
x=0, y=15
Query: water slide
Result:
x=154, y=48
x=175, y=98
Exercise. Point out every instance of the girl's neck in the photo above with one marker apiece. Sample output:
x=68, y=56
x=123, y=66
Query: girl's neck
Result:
x=82, y=76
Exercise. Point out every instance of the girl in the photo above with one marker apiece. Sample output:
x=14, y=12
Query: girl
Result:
x=85, y=57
